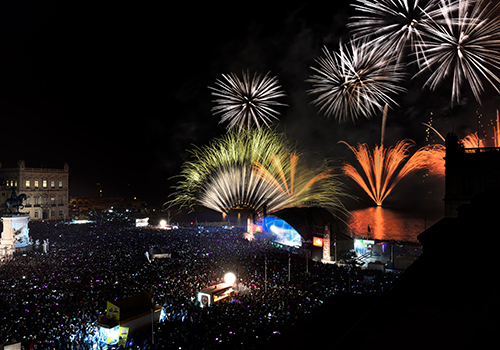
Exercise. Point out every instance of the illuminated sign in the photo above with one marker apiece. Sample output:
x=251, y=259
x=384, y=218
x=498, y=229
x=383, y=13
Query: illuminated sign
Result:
x=213, y=294
x=326, y=242
x=317, y=241
x=204, y=299
x=248, y=236
x=226, y=294
x=141, y=222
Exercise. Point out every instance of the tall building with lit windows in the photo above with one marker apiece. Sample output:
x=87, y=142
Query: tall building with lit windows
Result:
x=47, y=190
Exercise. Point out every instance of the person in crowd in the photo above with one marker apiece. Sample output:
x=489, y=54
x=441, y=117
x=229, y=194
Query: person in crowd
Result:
x=53, y=300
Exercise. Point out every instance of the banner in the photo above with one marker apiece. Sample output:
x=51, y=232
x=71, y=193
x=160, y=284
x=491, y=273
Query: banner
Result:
x=123, y=333
x=112, y=312
x=142, y=222
x=326, y=242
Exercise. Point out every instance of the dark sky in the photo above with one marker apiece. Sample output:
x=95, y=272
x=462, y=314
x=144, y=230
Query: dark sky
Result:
x=119, y=90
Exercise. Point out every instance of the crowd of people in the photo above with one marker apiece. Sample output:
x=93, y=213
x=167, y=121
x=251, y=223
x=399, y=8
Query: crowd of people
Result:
x=53, y=300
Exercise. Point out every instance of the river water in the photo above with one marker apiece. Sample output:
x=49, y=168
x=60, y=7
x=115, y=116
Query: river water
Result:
x=389, y=223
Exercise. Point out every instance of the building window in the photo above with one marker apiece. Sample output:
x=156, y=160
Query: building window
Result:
x=44, y=183
x=36, y=183
x=61, y=200
x=60, y=184
x=61, y=214
x=28, y=202
x=27, y=183
x=52, y=201
x=36, y=214
x=52, y=184
x=37, y=200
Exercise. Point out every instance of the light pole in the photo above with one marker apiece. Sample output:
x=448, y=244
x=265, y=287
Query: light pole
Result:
x=289, y=264
x=265, y=273
x=152, y=320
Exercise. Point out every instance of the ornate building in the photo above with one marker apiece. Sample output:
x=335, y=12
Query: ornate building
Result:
x=47, y=191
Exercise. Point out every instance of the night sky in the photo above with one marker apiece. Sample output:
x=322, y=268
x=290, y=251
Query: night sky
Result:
x=120, y=90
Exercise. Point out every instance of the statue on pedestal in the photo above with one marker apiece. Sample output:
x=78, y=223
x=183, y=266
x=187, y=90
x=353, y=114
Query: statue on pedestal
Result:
x=13, y=203
x=15, y=234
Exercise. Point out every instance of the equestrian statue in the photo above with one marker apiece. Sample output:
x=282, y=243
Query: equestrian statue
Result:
x=15, y=202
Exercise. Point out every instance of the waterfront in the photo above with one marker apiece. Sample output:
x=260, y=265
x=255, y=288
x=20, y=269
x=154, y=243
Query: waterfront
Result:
x=390, y=223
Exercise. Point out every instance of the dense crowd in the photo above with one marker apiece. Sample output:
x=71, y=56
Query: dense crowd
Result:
x=53, y=300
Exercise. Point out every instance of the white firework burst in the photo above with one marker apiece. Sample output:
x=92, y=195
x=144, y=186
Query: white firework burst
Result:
x=355, y=82
x=247, y=101
x=240, y=185
x=393, y=24
x=464, y=44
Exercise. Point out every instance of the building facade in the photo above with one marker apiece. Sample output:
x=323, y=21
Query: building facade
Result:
x=47, y=190
x=469, y=171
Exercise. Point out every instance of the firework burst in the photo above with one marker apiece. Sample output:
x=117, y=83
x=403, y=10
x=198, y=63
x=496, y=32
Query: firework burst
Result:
x=255, y=169
x=384, y=167
x=355, y=82
x=393, y=24
x=301, y=183
x=463, y=43
x=229, y=151
x=248, y=101
x=239, y=185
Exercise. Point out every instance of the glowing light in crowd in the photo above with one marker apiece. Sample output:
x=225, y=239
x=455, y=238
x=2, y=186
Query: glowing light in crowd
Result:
x=463, y=42
x=229, y=278
x=254, y=169
x=248, y=101
x=393, y=24
x=384, y=167
x=355, y=82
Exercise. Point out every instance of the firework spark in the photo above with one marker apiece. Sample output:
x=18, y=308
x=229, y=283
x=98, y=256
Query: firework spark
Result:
x=393, y=24
x=247, y=101
x=301, y=183
x=384, y=167
x=255, y=169
x=230, y=150
x=239, y=185
x=463, y=42
x=355, y=82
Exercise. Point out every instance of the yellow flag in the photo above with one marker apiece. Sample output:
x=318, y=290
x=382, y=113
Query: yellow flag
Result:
x=123, y=334
x=112, y=311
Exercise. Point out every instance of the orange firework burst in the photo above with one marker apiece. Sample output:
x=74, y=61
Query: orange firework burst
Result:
x=384, y=167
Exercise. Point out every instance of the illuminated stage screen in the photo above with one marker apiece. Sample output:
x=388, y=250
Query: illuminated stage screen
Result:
x=362, y=246
x=281, y=232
